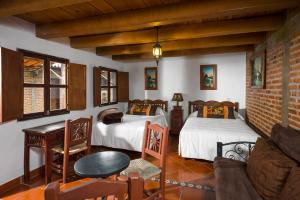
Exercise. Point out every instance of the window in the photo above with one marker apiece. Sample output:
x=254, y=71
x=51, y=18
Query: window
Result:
x=108, y=86
x=45, y=86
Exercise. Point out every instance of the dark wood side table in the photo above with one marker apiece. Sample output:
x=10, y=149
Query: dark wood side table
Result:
x=102, y=164
x=44, y=137
x=176, y=120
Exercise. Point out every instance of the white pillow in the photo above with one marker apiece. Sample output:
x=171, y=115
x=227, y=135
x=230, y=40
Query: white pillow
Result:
x=160, y=111
x=194, y=114
x=238, y=115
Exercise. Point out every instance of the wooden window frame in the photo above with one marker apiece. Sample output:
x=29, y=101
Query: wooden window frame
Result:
x=46, y=85
x=109, y=86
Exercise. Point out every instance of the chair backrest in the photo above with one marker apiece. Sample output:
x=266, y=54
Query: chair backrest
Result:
x=78, y=131
x=98, y=188
x=155, y=142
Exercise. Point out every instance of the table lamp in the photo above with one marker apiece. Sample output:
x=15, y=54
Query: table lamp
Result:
x=178, y=98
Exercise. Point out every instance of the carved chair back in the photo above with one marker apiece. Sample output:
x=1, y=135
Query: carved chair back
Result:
x=155, y=142
x=98, y=188
x=77, y=132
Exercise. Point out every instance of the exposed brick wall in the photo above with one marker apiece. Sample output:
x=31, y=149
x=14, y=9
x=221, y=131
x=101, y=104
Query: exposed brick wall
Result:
x=33, y=98
x=264, y=105
x=294, y=82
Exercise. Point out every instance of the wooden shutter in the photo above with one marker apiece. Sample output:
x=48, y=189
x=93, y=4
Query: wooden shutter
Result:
x=97, y=86
x=11, y=86
x=123, y=86
x=76, y=87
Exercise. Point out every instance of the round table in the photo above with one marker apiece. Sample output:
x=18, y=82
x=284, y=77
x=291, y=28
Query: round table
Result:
x=101, y=164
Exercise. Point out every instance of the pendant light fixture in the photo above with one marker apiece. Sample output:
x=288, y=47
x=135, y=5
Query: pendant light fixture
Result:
x=157, y=52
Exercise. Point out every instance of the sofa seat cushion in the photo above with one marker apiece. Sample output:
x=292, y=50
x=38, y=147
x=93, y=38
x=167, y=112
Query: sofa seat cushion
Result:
x=291, y=189
x=268, y=168
x=232, y=182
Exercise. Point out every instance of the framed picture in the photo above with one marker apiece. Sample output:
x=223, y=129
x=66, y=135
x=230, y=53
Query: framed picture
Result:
x=151, y=78
x=258, y=70
x=208, y=77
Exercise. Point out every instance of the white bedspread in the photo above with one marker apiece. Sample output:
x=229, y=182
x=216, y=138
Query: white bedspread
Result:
x=126, y=135
x=199, y=136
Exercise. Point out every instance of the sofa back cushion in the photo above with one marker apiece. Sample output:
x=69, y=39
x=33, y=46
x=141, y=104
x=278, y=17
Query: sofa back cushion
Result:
x=291, y=190
x=268, y=168
x=288, y=140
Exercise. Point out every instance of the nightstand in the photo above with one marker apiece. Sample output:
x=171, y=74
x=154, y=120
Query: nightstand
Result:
x=176, y=120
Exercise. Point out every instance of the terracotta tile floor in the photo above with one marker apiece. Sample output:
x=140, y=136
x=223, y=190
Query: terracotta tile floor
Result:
x=179, y=169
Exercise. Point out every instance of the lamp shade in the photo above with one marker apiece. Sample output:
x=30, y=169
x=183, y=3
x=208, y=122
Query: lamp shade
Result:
x=177, y=97
x=157, y=52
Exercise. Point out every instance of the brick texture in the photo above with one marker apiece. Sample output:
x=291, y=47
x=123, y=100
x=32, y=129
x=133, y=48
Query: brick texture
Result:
x=264, y=106
x=294, y=82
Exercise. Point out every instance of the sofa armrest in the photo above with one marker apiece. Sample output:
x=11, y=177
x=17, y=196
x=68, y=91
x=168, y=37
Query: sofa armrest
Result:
x=235, y=150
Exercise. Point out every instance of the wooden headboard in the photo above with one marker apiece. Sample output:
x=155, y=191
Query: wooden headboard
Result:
x=158, y=102
x=194, y=105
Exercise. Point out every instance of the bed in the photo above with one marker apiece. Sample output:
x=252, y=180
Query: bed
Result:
x=199, y=136
x=129, y=134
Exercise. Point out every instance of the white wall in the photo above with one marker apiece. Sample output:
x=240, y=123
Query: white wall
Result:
x=14, y=34
x=182, y=74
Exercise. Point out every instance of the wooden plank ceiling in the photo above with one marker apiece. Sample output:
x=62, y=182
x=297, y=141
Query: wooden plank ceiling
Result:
x=126, y=29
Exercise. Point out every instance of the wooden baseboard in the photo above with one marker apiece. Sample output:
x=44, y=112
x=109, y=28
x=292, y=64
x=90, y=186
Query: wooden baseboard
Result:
x=6, y=187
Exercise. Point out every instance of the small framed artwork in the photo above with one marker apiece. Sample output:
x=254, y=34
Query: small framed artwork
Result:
x=258, y=70
x=151, y=78
x=208, y=77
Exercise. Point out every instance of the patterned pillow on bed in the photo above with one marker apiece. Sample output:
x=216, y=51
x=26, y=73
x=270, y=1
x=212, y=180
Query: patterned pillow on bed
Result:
x=215, y=112
x=139, y=109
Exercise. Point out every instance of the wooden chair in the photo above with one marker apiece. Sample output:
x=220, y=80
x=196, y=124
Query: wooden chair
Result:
x=77, y=141
x=133, y=189
x=155, y=144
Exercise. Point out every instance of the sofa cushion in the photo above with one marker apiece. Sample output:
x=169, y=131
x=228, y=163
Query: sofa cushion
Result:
x=232, y=182
x=288, y=140
x=266, y=161
x=291, y=189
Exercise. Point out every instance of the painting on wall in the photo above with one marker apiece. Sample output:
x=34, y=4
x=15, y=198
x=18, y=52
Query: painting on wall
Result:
x=208, y=77
x=258, y=70
x=151, y=78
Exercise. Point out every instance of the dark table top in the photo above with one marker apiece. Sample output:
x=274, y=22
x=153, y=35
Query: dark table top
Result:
x=101, y=164
x=46, y=128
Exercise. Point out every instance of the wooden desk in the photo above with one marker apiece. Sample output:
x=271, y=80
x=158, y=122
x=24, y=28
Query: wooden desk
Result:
x=44, y=137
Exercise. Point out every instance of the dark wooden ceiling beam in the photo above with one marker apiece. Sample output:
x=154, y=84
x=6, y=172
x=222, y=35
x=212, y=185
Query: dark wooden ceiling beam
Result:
x=181, y=32
x=16, y=7
x=190, y=52
x=159, y=16
x=219, y=41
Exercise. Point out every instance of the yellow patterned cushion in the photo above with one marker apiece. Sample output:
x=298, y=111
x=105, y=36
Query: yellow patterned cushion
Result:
x=138, y=109
x=145, y=169
x=73, y=150
x=214, y=112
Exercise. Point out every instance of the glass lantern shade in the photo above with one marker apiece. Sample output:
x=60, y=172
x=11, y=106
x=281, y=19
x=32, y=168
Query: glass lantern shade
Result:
x=157, y=52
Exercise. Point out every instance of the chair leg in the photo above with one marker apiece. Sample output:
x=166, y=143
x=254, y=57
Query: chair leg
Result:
x=65, y=168
x=162, y=185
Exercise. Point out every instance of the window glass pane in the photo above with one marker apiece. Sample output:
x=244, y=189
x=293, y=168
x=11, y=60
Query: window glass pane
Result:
x=33, y=100
x=57, y=99
x=104, y=95
x=104, y=78
x=113, y=95
x=33, y=70
x=113, y=78
x=57, y=73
